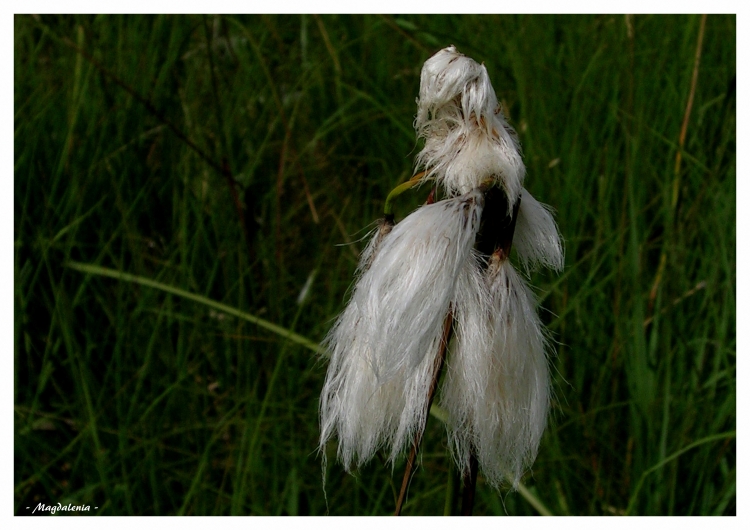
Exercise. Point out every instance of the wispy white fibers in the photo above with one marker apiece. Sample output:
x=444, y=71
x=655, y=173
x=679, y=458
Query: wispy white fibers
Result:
x=537, y=240
x=383, y=345
x=404, y=296
x=497, y=388
x=467, y=139
x=462, y=385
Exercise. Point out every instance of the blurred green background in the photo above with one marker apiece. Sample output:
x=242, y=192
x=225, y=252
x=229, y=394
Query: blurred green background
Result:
x=231, y=166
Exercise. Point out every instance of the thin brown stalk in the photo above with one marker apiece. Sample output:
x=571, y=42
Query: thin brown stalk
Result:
x=678, y=160
x=287, y=148
x=392, y=23
x=689, y=106
x=438, y=366
x=141, y=99
x=225, y=168
x=470, y=486
x=329, y=46
x=221, y=167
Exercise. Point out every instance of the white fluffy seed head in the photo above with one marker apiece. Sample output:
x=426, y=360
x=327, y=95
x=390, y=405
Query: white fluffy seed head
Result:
x=444, y=78
x=497, y=389
x=364, y=412
x=467, y=139
x=383, y=345
x=463, y=385
x=537, y=240
x=404, y=295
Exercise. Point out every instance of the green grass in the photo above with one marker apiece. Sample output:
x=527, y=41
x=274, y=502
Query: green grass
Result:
x=179, y=179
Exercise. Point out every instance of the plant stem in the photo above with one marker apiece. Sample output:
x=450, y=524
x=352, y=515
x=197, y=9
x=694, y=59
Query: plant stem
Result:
x=439, y=361
x=470, y=486
x=140, y=280
x=676, y=183
x=398, y=190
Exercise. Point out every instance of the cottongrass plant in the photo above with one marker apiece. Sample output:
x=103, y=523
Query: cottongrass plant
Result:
x=446, y=267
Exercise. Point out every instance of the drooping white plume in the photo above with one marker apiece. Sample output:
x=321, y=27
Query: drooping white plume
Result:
x=364, y=412
x=383, y=345
x=497, y=389
x=404, y=296
x=537, y=240
x=463, y=386
x=467, y=139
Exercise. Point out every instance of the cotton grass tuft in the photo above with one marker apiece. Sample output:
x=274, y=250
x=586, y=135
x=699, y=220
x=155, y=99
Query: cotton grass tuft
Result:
x=428, y=270
x=537, y=240
x=467, y=139
x=379, y=373
x=497, y=386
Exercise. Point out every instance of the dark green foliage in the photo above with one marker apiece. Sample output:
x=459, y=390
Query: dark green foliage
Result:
x=234, y=157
